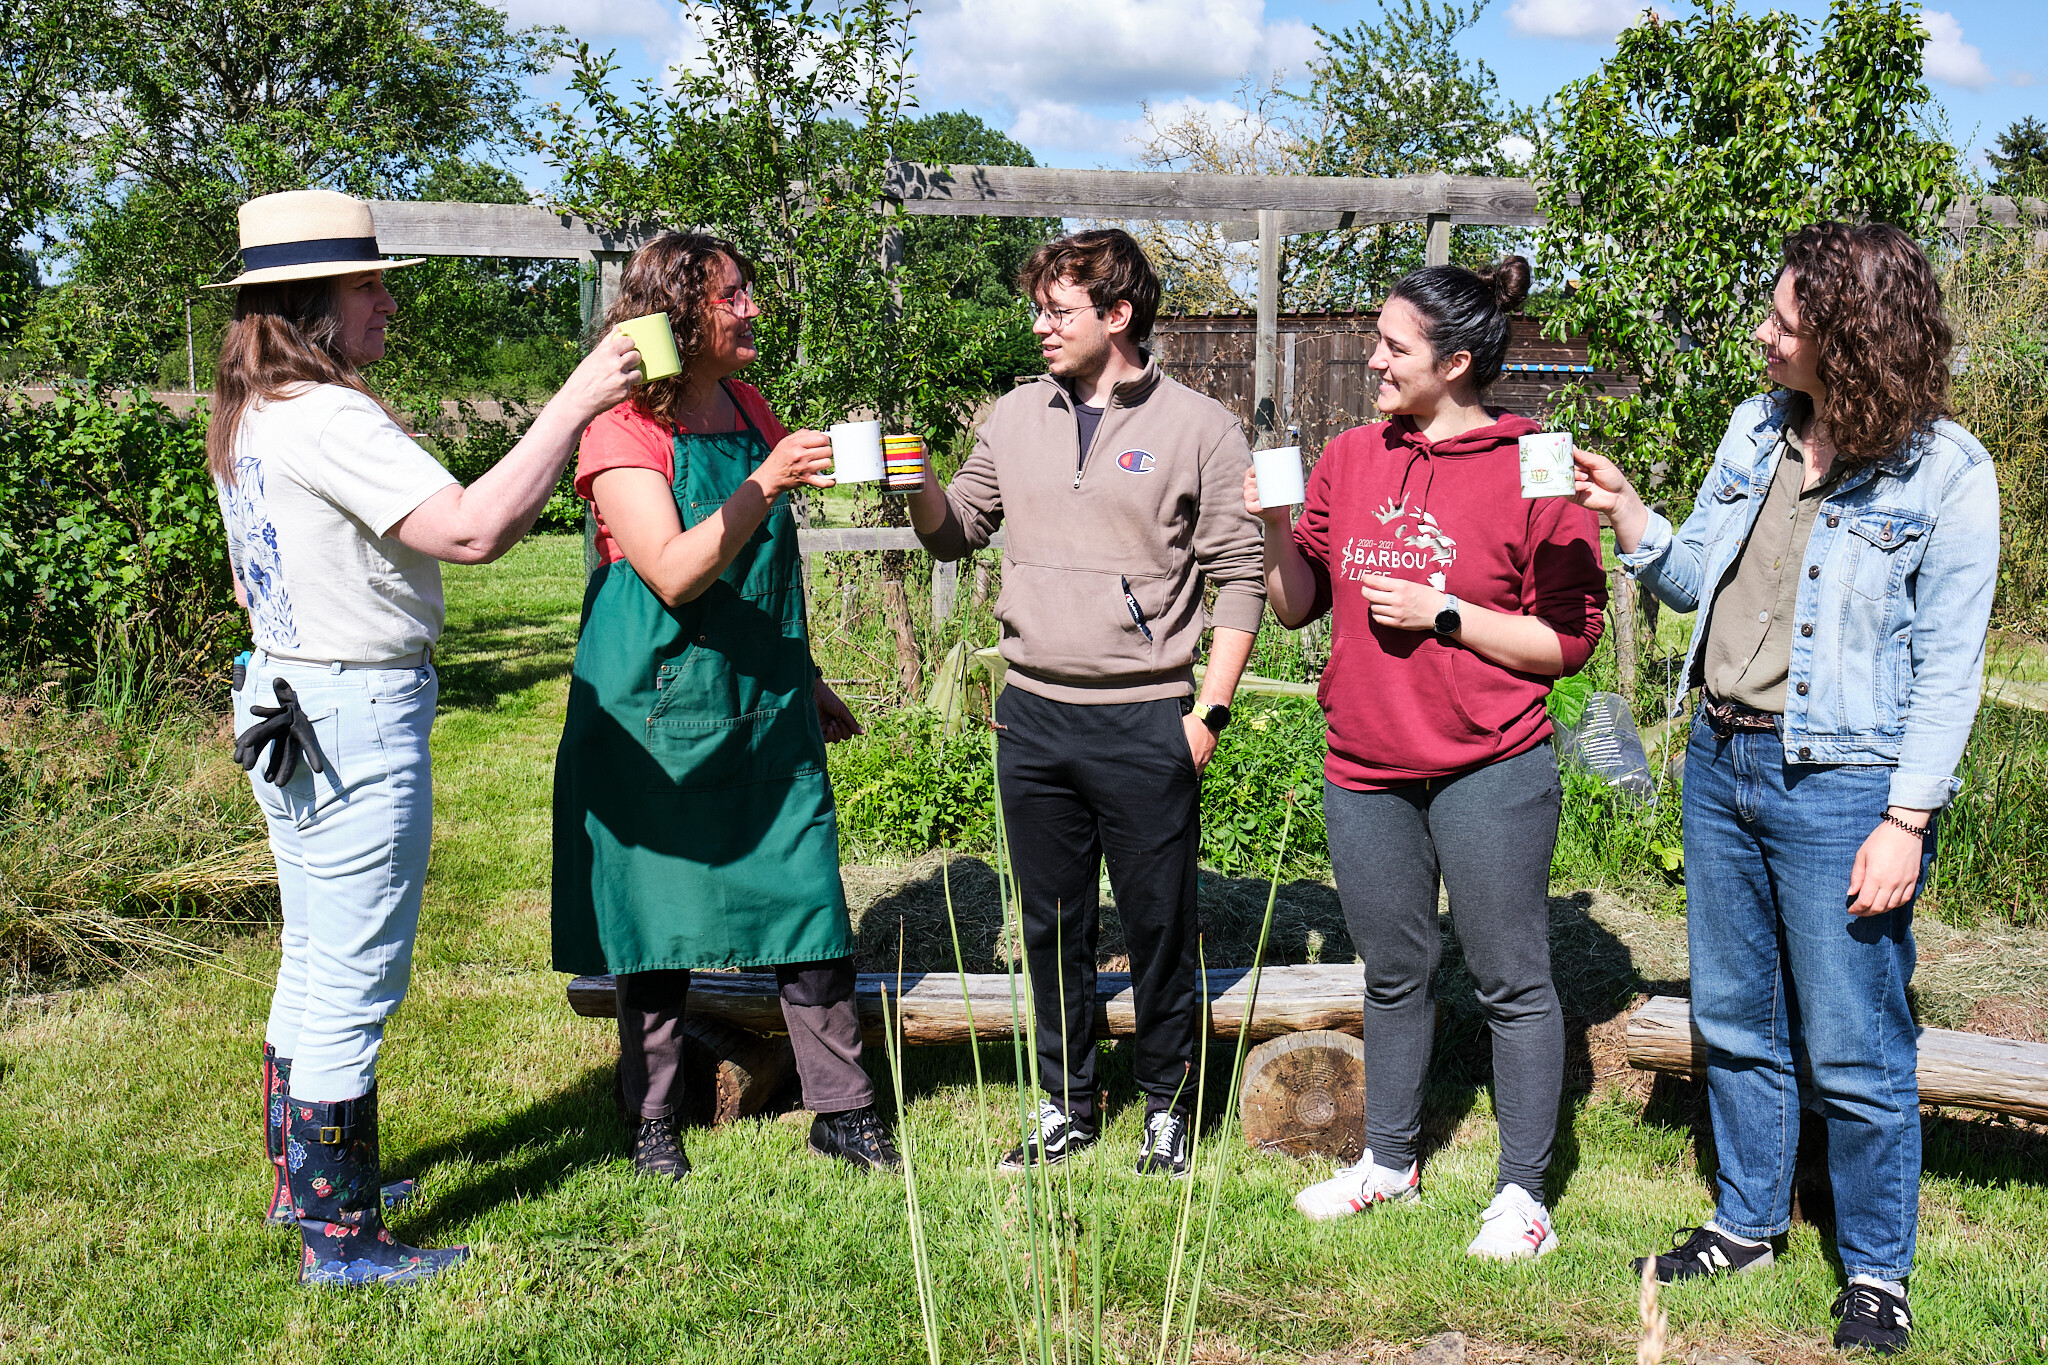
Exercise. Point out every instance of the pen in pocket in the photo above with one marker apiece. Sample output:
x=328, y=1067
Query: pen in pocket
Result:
x=1137, y=613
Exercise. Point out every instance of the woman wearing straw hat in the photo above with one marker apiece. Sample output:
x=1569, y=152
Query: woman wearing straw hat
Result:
x=337, y=522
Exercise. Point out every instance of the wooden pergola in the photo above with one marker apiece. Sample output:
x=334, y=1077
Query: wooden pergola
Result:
x=1265, y=208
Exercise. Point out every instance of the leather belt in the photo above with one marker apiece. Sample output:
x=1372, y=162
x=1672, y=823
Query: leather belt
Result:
x=1724, y=718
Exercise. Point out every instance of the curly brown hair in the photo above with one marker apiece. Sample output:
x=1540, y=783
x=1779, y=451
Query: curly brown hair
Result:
x=1109, y=264
x=673, y=274
x=1869, y=299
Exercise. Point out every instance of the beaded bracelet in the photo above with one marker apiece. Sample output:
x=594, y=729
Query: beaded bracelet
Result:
x=1920, y=830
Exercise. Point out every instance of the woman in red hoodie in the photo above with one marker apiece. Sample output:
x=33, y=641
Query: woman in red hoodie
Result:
x=1454, y=603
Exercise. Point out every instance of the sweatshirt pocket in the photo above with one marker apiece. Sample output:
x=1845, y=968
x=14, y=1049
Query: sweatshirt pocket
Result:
x=1076, y=623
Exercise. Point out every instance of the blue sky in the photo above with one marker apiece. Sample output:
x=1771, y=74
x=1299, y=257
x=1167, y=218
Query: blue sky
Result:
x=1067, y=77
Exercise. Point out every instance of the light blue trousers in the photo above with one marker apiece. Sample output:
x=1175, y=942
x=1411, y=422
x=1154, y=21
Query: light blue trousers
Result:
x=351, y=845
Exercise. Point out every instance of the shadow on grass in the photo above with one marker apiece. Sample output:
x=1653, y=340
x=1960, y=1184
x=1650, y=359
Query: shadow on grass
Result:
x=488, y=658
x=521, y=1154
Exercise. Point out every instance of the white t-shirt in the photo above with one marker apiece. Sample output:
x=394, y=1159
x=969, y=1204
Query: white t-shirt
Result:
x=320, y=480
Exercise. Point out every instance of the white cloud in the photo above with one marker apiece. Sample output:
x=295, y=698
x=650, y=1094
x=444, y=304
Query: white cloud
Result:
x=1098, y=53
x=590, y=20
x=1595, y=19
x=1516, y=149
x=2019, y=78
x=1050, y=127
x=1947, y=57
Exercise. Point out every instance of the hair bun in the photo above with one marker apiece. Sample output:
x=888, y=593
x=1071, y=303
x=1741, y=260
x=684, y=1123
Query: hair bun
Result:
x=1510, y=281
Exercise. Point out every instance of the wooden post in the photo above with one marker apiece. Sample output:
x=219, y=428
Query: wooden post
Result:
x=1621, y=600
x=1437, y=249
x=1265, y=357
x=981, y=584
x=191, y=362
x=945, y=589
x=611, y=273
x=896, y=607
x=1287, y=382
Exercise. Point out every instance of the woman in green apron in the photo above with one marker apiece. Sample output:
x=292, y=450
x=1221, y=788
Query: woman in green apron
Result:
x=694, y=824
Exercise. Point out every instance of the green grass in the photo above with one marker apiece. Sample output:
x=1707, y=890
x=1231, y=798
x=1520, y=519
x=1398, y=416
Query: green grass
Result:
x=132, y=1178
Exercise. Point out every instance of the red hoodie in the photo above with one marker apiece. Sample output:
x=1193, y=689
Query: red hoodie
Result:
x=1404, y=705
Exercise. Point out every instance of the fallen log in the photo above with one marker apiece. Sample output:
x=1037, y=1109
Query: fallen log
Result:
x=1305, y=1095
x=1967, y=1070
x=1291, y=999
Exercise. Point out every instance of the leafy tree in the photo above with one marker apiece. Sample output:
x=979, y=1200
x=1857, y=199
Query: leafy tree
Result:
x=981, y=255
x=187, y=111
x=780, y=139
x=1396, y=98
x=1672, y=176
x=40, y=56
x=2021, y=160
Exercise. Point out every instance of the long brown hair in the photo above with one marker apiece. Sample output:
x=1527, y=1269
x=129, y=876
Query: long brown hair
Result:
x=673, y=274
x=1869, y=299
x=284, y=334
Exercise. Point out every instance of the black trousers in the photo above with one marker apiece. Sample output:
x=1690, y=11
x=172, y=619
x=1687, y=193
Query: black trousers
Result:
x=817, y=1005
x=1081, y=785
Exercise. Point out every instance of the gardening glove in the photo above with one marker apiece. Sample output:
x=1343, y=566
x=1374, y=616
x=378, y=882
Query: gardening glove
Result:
x=286, y=730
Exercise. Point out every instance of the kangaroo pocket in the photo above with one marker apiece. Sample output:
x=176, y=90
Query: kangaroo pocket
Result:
x=1074, y=623
x=1429, y=712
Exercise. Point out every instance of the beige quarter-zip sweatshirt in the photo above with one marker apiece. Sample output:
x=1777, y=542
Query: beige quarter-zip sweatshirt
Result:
x=1152, y=511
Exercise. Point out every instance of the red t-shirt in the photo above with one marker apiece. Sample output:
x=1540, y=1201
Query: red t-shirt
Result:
x=1404, y=705
x=626, y=438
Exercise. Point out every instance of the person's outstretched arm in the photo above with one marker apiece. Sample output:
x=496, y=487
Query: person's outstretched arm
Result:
x=639, y=509
x=475, y=525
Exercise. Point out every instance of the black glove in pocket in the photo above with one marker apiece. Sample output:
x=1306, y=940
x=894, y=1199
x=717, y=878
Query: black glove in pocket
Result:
x=286, y=730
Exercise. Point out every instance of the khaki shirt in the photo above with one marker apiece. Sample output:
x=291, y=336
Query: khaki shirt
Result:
x=1749, y=635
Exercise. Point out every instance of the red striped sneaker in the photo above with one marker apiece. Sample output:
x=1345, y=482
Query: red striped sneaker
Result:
x=1358, y=1187
x=1514, y=1228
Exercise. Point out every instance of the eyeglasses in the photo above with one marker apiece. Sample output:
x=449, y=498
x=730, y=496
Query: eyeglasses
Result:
x=737, y=300
x=1777, y=324
x=1058, y=317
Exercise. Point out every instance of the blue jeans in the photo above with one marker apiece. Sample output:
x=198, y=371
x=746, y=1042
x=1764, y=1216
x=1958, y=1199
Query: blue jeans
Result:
x=351, y=846
x=1781, y=970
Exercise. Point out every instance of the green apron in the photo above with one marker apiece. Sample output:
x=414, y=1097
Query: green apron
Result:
x=694, y=824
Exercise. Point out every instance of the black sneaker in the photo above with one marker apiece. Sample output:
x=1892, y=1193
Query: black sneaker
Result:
x=1165, y=1148
x=1059, y=1136
x=857, y=1137
x=658, y=1150
x=1703, y=1251
x=1873, y=1318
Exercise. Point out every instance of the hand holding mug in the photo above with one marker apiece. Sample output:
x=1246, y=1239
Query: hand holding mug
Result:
x=1276, y=517
x=1599, y=485
x=606, y=377
x=799, y=460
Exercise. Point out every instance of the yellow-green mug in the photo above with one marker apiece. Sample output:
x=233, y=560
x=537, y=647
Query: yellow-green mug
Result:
x=656, y=344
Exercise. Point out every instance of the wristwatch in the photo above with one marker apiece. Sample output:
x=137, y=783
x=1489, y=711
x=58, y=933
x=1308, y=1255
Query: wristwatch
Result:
x=1448, y=621
x=1215, y=715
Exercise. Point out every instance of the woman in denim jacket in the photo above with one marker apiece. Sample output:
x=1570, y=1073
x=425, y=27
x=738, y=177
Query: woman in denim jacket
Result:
x=1842, y=553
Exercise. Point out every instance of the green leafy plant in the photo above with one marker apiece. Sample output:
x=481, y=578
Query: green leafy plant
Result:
x=111, y=525
x=1671, y=178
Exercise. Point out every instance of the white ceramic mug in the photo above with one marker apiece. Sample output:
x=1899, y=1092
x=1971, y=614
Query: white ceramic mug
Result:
x=856, y=452
x=1547, y=464
x=1279, y=474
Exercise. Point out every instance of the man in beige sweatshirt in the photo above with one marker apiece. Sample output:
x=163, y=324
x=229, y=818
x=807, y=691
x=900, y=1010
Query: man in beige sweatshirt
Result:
x=1123, y=496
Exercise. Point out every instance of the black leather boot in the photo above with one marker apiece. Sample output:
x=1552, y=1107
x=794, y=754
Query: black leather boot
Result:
x=331, y=1165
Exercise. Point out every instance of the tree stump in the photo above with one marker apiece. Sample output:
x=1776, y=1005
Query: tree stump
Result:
x=728, y=1073
x=1304, y=1094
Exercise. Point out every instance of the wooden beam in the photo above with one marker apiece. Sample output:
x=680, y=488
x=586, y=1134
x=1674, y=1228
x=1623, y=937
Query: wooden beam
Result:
x=527, y=231
x=1968, y=1070
x=833, y=540
x=1290, y=999
x=1193, y=196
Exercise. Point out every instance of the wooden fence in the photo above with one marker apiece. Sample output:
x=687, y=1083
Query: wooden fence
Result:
x=1324, y=387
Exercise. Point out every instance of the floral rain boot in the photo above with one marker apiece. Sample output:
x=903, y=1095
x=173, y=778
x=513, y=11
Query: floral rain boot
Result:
x=277, y=1083
x=331, y=1164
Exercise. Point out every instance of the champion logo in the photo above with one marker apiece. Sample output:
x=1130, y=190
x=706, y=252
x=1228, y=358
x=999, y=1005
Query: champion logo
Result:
x=1136, y=461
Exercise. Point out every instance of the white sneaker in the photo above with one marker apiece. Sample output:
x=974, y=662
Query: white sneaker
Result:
x=1359, y=1187
x=1514, y=1228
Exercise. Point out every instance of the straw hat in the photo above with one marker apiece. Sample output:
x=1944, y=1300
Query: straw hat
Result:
x=305, y=235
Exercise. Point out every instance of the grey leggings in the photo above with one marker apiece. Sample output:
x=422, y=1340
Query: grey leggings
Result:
x=1489, y=834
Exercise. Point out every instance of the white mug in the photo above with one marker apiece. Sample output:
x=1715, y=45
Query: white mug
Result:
x=1547, y=464
x=1279, y=476
x=857, y=452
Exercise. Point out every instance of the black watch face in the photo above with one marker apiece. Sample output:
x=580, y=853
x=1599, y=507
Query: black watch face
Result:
x=1447, y=621
x=1218, y=717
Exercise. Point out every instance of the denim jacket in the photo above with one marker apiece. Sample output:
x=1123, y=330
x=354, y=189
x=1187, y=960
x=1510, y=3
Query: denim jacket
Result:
x=1888, y=660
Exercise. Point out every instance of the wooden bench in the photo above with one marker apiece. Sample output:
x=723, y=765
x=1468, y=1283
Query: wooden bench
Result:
x=1967, y=1070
